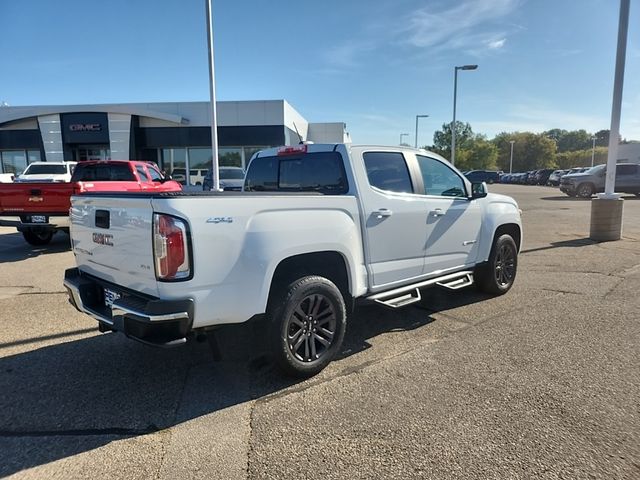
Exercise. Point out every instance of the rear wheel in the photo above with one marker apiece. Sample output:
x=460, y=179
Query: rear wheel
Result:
x=307, y=322
x=499, y=273
x=37, y=237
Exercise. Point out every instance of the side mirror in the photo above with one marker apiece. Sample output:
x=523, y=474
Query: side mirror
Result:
x=478, y=190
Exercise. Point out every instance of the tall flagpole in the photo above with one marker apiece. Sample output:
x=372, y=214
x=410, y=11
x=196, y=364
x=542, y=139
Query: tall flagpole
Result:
x=212, y=94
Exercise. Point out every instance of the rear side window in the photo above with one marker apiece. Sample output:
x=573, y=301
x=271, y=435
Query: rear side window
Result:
x=103, y=173
x=312, y=172
x=388, y=171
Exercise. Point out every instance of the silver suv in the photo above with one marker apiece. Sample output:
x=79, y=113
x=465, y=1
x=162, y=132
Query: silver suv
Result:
x=587, y=183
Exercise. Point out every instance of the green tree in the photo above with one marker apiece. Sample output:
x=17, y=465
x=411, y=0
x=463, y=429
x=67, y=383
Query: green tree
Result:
x=477, y=154
x=442, y=138
x=531, y=151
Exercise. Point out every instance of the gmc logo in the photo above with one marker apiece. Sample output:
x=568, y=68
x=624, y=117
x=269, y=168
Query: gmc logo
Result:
x=103, y=239
x=85, y=127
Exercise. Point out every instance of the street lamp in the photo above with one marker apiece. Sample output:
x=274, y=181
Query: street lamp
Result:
x=593, y=149
x=403, y=135
x=215, y=177
x=511, y=160
x=455, y=91
x=417, y=117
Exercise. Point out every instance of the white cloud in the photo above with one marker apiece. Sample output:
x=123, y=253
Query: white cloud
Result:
x=443, y=26
x=496, y=44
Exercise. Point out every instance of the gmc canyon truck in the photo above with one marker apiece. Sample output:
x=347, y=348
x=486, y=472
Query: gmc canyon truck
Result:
x=315, y=228
x=39, y=210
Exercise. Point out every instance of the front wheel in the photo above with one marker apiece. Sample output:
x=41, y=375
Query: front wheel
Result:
x=585, y=190
x=37, y=237
x=499, y=273
x=307, y=323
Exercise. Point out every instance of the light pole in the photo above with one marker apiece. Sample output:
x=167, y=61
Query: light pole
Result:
x=417, y=117
x=212, y=92
x=606, y=209
x=403, y=135
x=593, y=149
x=455, y=93
x=511, y=160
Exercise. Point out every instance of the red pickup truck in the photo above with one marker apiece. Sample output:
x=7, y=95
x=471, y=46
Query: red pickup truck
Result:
x=38, y=210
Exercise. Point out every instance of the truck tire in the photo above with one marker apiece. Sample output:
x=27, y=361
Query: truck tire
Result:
x=306, y=325
x=498, y=274
x=37, y=237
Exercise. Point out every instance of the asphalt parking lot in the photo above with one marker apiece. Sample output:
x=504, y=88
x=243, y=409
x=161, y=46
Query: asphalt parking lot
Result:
x=543, y=382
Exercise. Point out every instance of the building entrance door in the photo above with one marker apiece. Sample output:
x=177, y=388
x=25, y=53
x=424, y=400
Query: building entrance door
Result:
x=91, y=152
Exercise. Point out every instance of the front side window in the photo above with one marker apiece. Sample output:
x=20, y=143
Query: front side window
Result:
x=439, y=179
x=154, y=174
x=388, y=171
x=626, y=169
x=142, y=173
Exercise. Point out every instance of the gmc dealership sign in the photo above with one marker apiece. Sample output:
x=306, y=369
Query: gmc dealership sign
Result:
x=85, y=127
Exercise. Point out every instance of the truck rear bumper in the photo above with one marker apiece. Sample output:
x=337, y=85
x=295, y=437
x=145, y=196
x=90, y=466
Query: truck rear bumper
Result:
x=162, y=323
x=53, y=222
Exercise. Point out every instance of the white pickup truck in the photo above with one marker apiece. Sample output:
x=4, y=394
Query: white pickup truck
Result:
x=315, y=228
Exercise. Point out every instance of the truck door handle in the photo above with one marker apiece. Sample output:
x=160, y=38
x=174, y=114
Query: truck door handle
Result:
x=437, y=212
x=383, y=212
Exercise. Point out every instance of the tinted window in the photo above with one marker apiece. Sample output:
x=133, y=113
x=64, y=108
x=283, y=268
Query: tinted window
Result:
x=46, y=169
x=388, y=171
x=626, y=169
x=231, y=173
x=142, y=173
x=154, y=174
x=312, y=172
x=119, y=172
x=439, y=179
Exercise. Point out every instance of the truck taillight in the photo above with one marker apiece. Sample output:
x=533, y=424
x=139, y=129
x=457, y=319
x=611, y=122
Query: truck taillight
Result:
x=171, y=248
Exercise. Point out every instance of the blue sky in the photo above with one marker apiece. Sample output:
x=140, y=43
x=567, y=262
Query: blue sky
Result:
x=372, y=64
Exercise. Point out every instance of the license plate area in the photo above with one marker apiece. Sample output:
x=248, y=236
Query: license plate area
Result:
x=110, y=296
x=38, y=219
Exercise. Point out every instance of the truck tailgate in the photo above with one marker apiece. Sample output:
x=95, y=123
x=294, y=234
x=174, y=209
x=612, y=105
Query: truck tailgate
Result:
x=111, y=239
x=17, y=198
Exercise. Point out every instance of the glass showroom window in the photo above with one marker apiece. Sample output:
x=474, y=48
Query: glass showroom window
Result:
x=13, y=161
x=230, y=157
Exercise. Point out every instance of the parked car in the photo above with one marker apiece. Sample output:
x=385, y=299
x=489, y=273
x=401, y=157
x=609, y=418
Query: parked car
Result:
x=186, y=263
x=585, y=184
x=39, y=210
x=7, y=177
x=231, y=179
x=479, y=176
x=554, y=178
x=196, y=175
x=39, y=172
x=542, y=176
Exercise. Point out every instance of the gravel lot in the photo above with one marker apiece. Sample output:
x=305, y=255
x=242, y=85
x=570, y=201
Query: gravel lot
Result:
x=543, y=382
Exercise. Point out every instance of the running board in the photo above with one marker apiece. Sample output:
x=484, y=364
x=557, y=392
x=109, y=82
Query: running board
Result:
x=458, y=283
x=403, y=296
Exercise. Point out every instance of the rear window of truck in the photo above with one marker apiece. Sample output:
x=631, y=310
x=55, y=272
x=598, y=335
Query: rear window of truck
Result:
x=321, y=172
x=114, y=172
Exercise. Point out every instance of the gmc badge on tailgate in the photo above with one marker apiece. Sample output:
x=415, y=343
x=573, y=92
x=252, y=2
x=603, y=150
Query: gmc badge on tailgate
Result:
x=103, y=239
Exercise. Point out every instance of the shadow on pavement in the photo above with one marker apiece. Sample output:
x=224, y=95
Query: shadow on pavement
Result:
x=61, y=400
x=576, y=242
x=14, y=248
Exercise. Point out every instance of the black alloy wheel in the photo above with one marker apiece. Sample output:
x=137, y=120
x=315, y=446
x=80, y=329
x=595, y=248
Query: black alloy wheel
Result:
x=307, y=323
x=497, y=275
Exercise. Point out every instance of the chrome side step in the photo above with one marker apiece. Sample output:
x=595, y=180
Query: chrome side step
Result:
x=458, y=283
x=403, y=296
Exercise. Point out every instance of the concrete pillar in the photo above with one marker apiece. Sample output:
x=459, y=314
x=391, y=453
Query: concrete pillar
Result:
x=606, y=219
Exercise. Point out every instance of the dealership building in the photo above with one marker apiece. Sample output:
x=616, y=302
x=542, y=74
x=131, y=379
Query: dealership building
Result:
x=174, y=135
